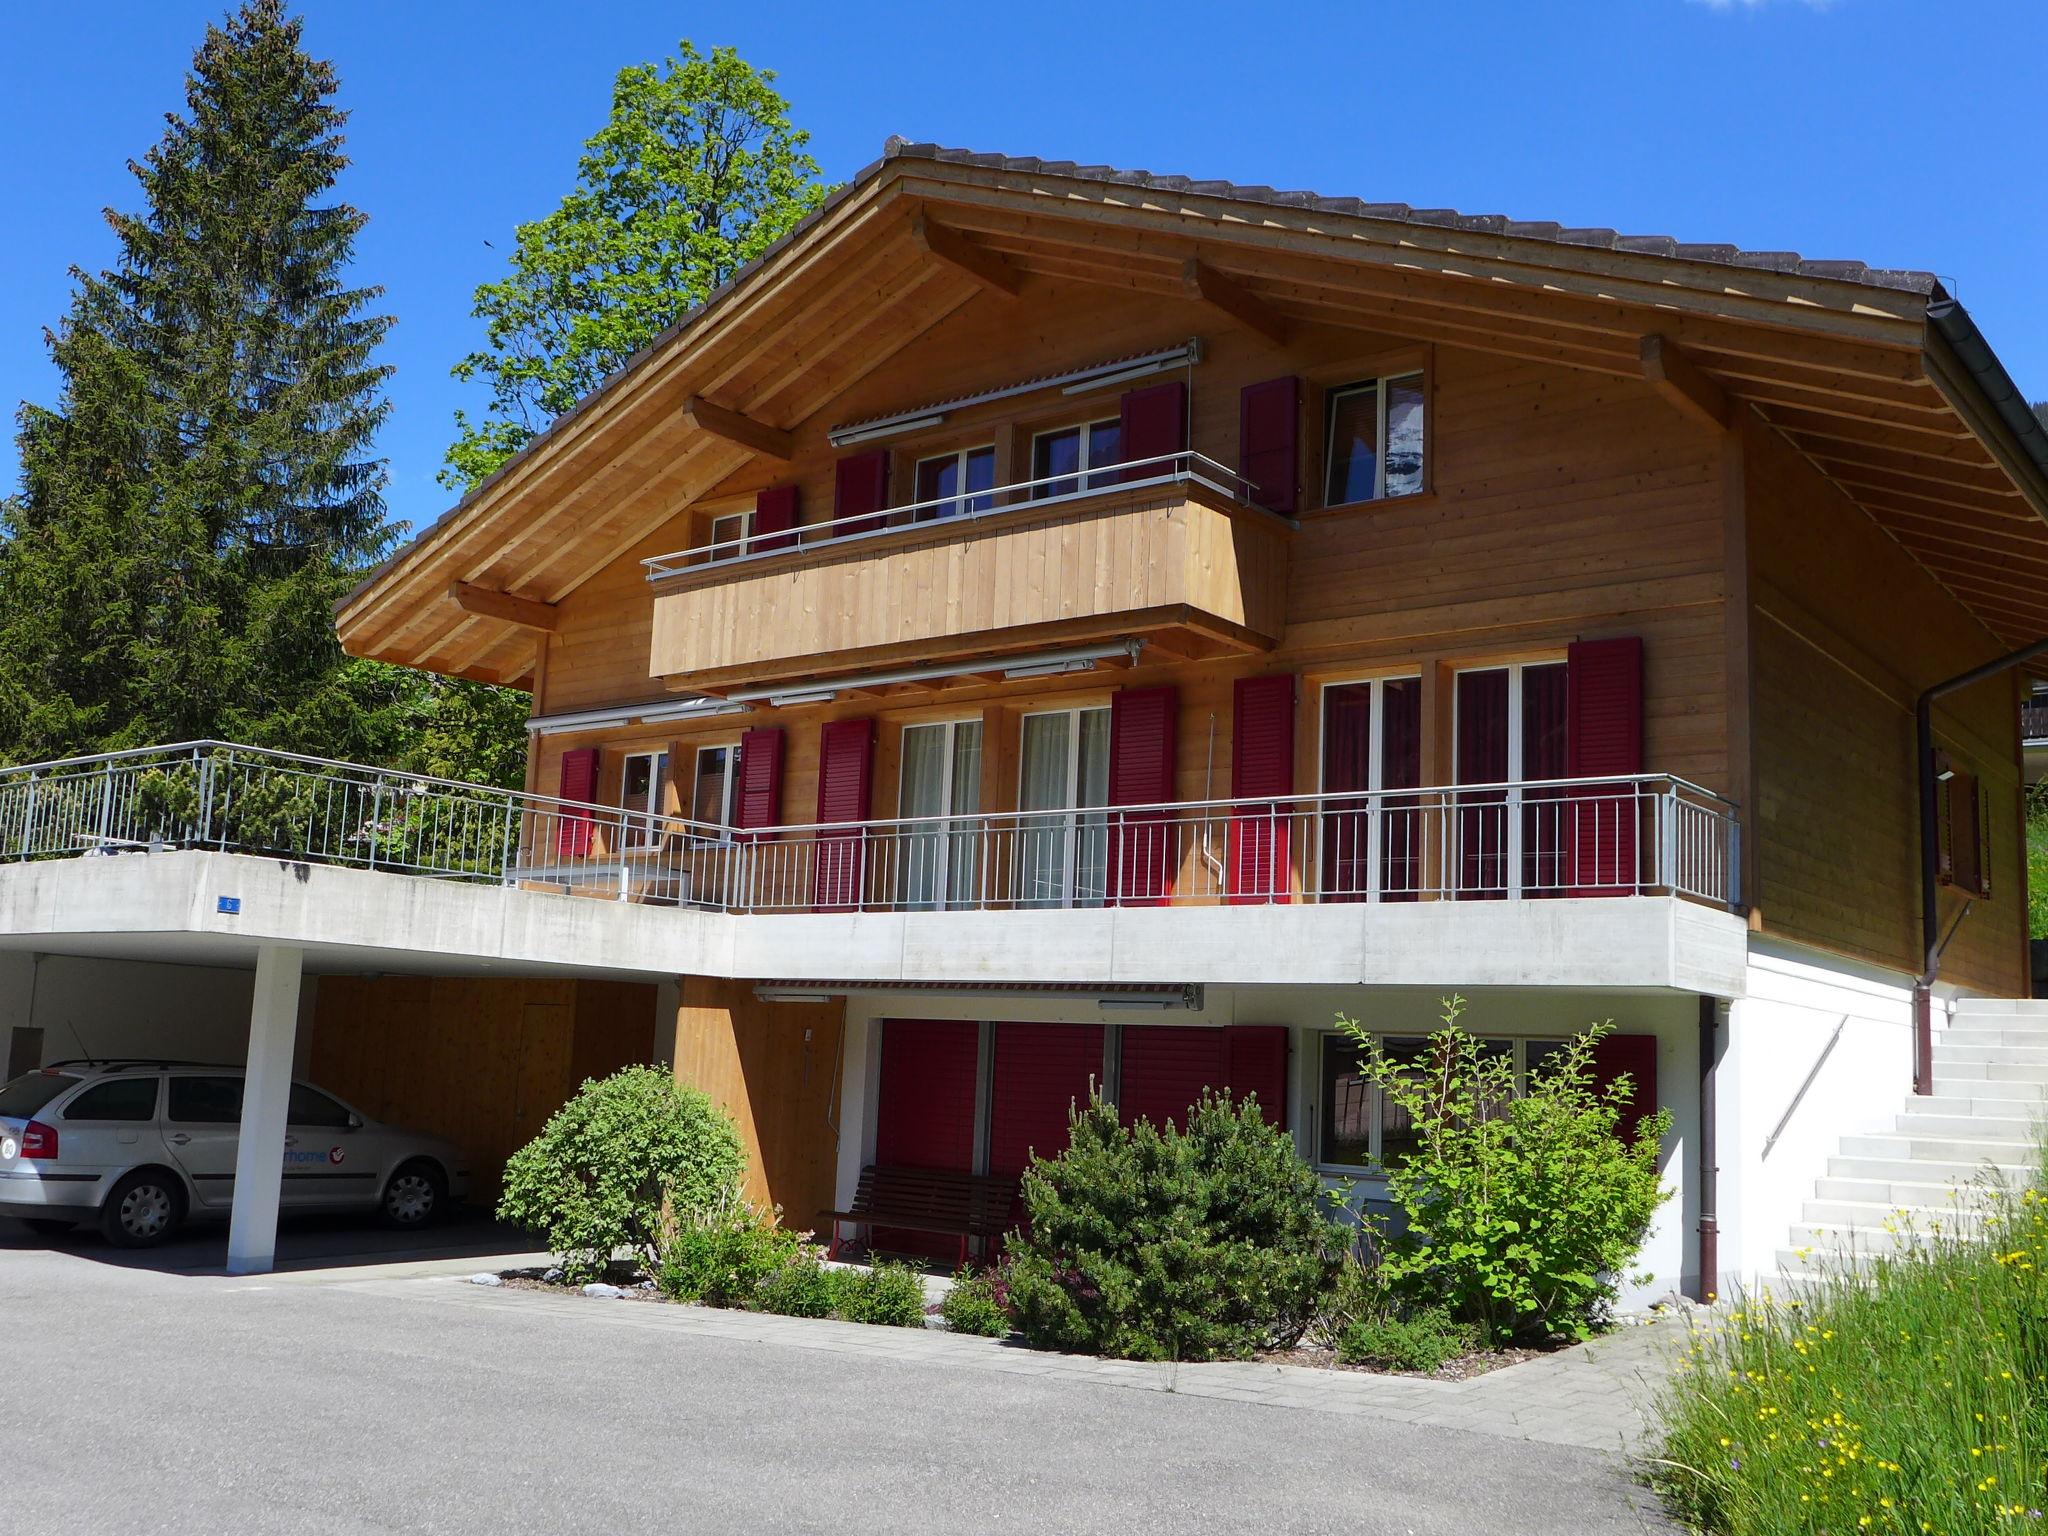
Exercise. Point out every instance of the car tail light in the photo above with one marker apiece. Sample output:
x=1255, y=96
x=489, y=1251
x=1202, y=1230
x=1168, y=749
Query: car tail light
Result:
x=38, y=1141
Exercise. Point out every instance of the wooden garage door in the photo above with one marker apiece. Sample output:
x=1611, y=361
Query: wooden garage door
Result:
x=1041, y=1072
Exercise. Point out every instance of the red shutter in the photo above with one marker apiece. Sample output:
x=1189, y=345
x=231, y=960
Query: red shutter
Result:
x=1269, y=442
x=1255, y=1062
x=1141, y=846
x=1261, y=767
x=1155, y=427
x=1637, y=1056
x=1042, y=1071
x=1165, y=1068
x=1604, y=735
x=579, y=782
x=846, y=753
x=774, y=519
x=924, y=1113
x=760, y=790
x=860, y=486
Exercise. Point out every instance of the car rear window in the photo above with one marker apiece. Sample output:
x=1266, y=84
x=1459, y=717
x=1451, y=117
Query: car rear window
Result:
x=206, y=1100
x=122, y=1098
x=31, y=1091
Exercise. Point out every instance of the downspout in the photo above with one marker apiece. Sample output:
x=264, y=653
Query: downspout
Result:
x=1930, y=854
x=1710, y=1161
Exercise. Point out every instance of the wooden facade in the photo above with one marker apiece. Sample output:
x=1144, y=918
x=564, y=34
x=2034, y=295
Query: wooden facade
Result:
x=1778, y=480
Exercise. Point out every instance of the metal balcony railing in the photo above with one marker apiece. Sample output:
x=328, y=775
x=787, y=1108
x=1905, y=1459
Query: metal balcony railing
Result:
x=966, y=506
x=1638, y=835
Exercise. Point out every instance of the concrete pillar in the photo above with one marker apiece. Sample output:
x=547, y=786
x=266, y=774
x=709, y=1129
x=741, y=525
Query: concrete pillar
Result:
x=860, y=1080
x=259, y=1157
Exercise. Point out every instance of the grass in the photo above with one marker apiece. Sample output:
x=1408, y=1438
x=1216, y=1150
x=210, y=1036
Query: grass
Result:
x=1910, y=1396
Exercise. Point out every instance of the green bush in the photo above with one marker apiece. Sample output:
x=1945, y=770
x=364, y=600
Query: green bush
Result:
x=1424, y=1342
x=978, y=1303
x=1522, y=1208
x=888, y=1294
x=1171, y=1245
x=1357, y=1293
x=601, y=1173
x=724, y=1253
x=802, y=1287
x=2037, y=861
x=1906, y=1395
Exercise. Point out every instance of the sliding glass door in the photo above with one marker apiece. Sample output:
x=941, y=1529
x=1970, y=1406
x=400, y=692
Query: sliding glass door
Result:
x=938, y=862
x=1062, y=860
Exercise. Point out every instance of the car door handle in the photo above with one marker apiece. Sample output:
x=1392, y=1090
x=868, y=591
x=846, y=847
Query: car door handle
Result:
x=177, y=1138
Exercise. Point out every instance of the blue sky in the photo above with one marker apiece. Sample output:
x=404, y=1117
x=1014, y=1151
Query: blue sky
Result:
x=1897, y=133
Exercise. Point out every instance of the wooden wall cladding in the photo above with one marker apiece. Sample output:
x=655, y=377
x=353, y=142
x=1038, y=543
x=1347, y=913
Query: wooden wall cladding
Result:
x=482, y=1061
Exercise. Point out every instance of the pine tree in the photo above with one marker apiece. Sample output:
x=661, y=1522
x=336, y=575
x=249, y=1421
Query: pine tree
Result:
x=204, y=489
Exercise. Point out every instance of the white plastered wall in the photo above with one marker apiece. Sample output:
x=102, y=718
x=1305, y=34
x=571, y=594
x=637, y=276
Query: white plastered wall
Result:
x=1787, y=1098
x=88, y=1007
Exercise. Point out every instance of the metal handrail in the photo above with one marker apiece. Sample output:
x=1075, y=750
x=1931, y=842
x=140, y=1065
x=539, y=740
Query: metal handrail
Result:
x=1187, y=467
x=1610, y=834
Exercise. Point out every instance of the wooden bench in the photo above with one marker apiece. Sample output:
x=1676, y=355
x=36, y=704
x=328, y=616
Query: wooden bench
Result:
x=965, y=1206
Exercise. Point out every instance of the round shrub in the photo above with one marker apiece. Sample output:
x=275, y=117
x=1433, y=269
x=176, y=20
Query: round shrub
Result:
x=886, y=1293
x=1150, y=1244
x=602, y=1171
x=978, y=1303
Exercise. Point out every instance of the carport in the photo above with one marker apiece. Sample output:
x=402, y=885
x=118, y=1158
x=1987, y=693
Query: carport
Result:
x=367, y=934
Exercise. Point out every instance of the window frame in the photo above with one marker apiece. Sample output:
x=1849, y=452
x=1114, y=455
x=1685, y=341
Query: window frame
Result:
x=1074, y=828
x=1373, y=1170
x=641, y=828
x=947, y=899
x=1515, y=796
x=1378, y=383
x=1088, y=476
x=731, y=749
x=1375, y=771
x=744, y=517
x=966, y=502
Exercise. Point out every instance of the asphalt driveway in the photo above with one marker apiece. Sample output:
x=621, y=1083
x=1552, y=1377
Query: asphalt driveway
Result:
x=145, y=1399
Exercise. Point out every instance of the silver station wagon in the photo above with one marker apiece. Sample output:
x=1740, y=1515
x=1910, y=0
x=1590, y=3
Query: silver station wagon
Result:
x=141, y=1147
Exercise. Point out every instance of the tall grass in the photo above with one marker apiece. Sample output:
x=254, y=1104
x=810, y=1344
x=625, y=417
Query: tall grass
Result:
x=1910, y=1395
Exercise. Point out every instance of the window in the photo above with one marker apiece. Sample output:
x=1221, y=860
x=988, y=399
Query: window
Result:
x=25, y=1095
x=309, y=1106
x=123, y=1098
x=729, y=533
x=1963, y=861
x=206, y=1100
x=1372, y=741
x=641, y=786
x=1513, y=838
x=1357, y=1128
x=1063, y=860
x=941, y=480
x=937, y=860
x=1373, y=440
x=717, y=784
x=1070, y=450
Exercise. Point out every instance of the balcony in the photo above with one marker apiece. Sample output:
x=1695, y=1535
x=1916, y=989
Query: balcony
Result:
x=1167, y=550
x=1504, y=884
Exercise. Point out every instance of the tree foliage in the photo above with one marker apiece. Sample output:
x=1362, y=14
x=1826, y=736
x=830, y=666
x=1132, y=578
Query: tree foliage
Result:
x=204, y=488
x=696, y=172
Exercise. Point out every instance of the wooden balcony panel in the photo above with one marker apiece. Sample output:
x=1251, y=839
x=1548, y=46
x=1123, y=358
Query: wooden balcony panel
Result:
x=1180, y=563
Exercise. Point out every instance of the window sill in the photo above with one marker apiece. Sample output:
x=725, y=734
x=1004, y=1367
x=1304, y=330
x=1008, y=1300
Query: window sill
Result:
x=1377, y=504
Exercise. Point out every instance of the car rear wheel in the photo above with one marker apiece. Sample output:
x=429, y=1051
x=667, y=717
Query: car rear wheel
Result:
x=142, y=1209
x=416, y=1196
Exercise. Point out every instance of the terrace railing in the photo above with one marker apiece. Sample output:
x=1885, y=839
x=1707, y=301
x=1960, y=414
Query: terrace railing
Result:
x=1635, y=835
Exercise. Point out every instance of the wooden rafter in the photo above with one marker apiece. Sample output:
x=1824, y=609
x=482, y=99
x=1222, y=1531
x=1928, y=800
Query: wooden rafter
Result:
x=721, y=421
x=510, y=607
x=956, y=250
x=1229, y=297
x=1682, y=382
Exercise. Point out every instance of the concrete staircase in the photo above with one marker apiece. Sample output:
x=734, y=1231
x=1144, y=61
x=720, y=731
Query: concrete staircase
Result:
x=1986, y=1116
